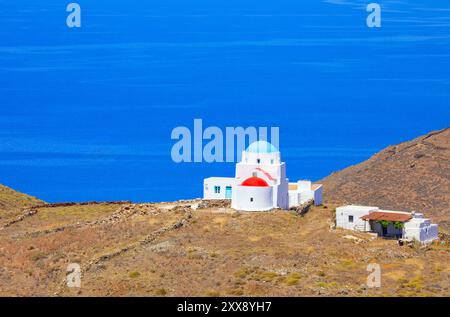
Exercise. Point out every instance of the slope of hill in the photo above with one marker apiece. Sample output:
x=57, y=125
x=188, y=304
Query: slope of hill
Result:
x=413, y=175
x=11, y=201
x=194, y=248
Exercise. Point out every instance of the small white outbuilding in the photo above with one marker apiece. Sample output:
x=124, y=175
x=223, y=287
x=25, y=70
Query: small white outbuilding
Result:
x=387, y=223
x=303, y=191
x=420, y=229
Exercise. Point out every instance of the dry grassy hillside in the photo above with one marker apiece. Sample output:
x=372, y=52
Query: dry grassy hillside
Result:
x=170, y=249
x=12, y=202
x=413, y=175
x=193, y=248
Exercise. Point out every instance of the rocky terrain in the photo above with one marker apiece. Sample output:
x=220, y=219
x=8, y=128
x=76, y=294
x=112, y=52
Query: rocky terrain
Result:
x=413, y=175
x=204, y=248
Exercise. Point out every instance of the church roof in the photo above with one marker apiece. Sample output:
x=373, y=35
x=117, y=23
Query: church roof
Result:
x=261, y=147
x=255, y=182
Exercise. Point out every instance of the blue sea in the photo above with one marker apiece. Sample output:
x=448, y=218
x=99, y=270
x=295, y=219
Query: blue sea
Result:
x=87, y=113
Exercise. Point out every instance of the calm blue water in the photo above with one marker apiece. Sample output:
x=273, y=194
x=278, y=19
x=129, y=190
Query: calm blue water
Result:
x=87, y=113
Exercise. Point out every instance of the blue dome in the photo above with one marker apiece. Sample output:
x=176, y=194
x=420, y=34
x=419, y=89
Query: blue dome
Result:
x=261, y=147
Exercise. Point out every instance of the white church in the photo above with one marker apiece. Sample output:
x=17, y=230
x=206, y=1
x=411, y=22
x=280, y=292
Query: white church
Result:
x=260, y=183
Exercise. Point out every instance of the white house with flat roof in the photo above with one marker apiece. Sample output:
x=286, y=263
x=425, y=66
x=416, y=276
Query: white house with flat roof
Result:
x=218, y=187
x=387, y=223
x=349, y=217
x=260, y=183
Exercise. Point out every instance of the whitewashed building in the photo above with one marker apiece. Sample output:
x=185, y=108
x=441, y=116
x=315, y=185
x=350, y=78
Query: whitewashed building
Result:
x=350, y=217
x=260, y=183
x=386, y=223
x=302, y=191
x=420, y=229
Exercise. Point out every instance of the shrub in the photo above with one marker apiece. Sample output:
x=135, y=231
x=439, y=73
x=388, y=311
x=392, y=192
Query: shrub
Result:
x=265, y=276
x=212, y=293
x=236, y=292
x=161, y=292
x=292, y=279
x=347, y=264
x=415, y=283
x=242, y=273
x=38, y=256
x=386, y=223
x=327, y=285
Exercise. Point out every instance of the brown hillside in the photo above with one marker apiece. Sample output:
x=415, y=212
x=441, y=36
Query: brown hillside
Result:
x=413, y=175
x=202, y=248
x=12, y=202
